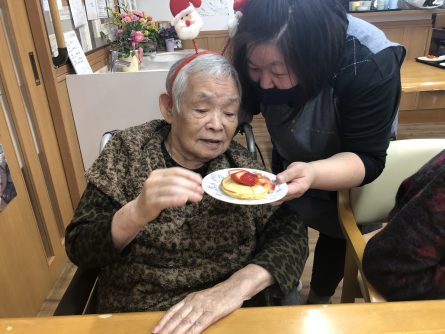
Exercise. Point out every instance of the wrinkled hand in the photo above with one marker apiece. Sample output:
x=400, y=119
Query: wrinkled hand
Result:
x=199, y=310
x=164, y=188
x=299, y=177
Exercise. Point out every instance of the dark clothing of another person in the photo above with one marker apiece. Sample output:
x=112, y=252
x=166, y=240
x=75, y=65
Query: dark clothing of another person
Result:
x=355, y=113
x=406, y=260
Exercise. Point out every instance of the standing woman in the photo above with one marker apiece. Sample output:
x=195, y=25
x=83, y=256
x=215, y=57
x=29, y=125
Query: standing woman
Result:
x=328, y=86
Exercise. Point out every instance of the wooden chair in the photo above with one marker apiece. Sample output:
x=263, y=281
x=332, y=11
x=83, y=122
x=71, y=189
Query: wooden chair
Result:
x=371, y=204
x=81, y=295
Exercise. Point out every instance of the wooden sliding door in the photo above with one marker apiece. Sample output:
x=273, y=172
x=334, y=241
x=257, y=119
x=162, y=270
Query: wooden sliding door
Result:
x=32, y=224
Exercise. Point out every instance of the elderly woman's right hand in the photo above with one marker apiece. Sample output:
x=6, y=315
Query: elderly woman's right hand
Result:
x=166, y=188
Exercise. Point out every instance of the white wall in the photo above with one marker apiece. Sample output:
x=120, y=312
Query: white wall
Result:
x=109, y=101
x=215, y=13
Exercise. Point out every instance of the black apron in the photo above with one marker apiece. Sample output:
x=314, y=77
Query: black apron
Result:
x=312, y=134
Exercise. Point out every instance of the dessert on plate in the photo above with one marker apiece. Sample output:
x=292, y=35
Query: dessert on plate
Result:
x=243, y=184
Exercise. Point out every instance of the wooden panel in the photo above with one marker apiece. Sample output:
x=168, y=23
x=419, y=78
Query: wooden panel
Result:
x=422, y=116
x=421, y=130
x=408, y=101
x=41, y=122
x=209, y=40
x=24, y=282
x=415, y=35
x=431, y=100
x=439, y=21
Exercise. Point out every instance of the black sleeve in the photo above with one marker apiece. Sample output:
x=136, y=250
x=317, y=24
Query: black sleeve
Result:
x=283, y=248
x=368, y=100
x=88, y=240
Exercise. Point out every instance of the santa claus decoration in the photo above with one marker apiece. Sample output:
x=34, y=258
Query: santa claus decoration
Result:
x=239, y=6
x=187, y=21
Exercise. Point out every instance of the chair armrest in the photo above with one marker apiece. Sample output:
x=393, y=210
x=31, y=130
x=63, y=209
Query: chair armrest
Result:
x=349, y=226
x=80, y=296
x=357, y=243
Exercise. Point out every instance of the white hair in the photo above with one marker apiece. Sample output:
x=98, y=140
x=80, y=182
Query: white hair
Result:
x=211, y=65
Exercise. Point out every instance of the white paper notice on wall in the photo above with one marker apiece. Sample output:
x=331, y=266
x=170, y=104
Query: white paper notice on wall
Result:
x=97, y=27
x=91, y=7
x=53, y=43
x=78, y=12
x=85, y=38
x=65, y=13
x=76, y=54
x=102, y=9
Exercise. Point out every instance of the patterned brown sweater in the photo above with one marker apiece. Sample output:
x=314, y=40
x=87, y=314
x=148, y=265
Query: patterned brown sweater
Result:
x=185, y=249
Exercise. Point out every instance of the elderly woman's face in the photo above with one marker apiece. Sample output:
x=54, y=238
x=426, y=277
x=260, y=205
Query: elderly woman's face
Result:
x=207, y=120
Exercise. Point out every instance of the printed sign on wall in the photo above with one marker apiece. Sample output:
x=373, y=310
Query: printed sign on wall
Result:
x=7, y=189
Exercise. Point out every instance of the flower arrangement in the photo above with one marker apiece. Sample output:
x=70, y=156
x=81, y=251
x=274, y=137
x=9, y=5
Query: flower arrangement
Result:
x=134, y=30
x=166, y=33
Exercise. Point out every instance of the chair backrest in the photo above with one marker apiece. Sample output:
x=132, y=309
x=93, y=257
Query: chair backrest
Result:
x=371, y=203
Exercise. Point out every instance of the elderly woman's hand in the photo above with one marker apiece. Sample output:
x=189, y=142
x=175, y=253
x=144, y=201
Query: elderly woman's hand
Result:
x=200, y=309
x=299, y=177
x=166, y=188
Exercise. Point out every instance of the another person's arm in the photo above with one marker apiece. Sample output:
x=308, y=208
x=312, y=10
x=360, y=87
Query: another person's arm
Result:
x=367, y=105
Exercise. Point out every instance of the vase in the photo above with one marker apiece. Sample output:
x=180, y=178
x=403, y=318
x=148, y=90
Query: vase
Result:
x=132, y=62
x=170, y=44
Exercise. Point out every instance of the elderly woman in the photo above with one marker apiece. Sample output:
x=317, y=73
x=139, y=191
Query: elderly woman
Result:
x=157, y=238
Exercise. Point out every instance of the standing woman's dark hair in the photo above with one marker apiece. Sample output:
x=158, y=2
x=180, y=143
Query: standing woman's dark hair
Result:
x=309, y=33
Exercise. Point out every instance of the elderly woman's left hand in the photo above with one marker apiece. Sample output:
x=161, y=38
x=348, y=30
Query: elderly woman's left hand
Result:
x=200, y=309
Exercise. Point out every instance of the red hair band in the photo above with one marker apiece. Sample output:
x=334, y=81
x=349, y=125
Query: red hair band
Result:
x=181, y=66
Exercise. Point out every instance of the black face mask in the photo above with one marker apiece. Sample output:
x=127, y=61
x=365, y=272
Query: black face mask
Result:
x=275, y=96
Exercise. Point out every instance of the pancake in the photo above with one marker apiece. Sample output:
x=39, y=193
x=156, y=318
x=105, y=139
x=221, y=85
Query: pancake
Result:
x=230, y=187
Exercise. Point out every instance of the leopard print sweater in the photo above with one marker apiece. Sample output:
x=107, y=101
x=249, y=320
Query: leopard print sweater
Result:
x=185, y=249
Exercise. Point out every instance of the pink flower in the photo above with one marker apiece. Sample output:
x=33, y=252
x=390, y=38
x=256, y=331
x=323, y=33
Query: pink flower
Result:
x=127, y=19
x=138, y=13
x=124, y=15
x=137, y=36
x=134, y=18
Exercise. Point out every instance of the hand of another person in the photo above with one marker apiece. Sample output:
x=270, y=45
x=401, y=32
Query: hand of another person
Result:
x=299, y=177
x=199, y=310
x=165, y=188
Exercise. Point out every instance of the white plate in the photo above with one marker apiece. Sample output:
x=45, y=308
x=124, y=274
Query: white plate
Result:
x=211, y=184
x=440, y=58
